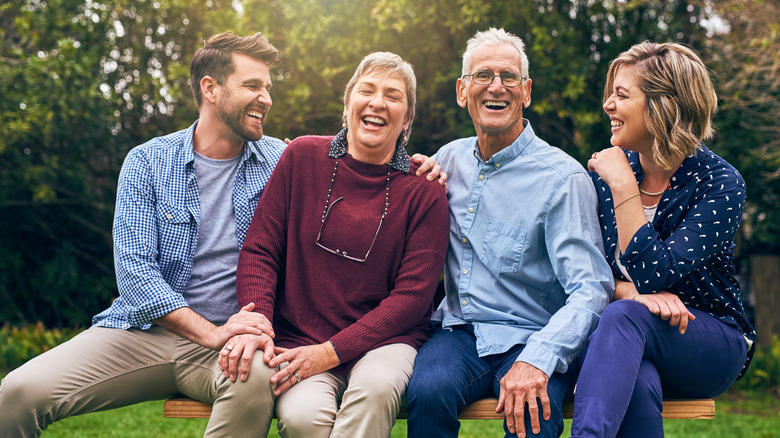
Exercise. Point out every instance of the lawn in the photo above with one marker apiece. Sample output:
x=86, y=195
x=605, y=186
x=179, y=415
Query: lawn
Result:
x=738, y=414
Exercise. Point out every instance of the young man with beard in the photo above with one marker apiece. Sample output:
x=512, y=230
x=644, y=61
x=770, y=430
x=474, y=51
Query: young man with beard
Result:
x=184, y=205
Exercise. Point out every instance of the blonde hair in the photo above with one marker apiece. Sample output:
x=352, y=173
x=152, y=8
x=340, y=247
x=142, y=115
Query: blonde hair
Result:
x=680, y=97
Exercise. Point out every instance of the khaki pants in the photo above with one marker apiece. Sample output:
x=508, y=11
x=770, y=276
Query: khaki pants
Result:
x=363, y=404
x=104, y=368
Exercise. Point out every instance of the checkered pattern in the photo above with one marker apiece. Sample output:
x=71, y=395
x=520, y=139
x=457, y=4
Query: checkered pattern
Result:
x=156, y=222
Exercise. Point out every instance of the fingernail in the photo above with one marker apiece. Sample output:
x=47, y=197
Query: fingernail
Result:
x=243, y=377
x=429, y=177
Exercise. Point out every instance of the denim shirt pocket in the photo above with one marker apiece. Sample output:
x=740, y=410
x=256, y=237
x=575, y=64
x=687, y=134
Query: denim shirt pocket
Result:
x=502, y=249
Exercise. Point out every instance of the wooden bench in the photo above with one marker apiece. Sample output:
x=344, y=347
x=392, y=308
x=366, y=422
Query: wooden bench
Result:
x=703, y=409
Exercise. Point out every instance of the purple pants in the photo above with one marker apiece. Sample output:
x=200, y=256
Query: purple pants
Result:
x=634, y=358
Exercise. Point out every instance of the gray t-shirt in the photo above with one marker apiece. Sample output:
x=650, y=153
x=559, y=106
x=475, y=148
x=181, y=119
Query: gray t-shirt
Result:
x=211, y=291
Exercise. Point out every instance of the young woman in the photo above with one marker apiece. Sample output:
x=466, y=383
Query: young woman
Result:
x=669, y=209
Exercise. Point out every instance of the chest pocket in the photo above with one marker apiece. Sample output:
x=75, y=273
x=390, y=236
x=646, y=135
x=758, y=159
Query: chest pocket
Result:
x=170, y=215
x=502, y=249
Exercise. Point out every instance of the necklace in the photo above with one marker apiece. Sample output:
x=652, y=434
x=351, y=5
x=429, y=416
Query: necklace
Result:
x=649, y=207
x=668, y=186
x=650, y=193
x=333, y=178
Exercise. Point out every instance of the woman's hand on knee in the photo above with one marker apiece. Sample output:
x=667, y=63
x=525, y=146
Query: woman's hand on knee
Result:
x=302, y=362
x=668, y=307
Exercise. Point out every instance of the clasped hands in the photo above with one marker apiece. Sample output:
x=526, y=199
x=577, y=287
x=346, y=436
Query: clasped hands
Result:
x=235, y=358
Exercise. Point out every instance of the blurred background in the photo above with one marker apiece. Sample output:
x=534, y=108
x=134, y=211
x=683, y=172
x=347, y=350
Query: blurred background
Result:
x=82, y=82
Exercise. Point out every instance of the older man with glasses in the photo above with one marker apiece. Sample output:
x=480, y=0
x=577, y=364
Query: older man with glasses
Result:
x=525, y=275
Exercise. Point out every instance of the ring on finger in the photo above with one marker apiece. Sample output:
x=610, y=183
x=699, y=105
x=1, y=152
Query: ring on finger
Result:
x=229, y=347
x=297, y=377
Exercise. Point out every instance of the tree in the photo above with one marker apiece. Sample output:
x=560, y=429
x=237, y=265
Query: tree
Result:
x=82, y=82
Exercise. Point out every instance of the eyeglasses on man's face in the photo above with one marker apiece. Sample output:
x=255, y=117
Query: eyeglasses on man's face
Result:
x=344, y=253
x=485, y=77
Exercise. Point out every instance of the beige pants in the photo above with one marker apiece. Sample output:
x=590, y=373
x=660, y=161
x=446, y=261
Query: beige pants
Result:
x=363, y=404
x=104, y=368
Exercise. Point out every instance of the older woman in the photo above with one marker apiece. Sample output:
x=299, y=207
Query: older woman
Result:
x=343, y=255
x=669, y=209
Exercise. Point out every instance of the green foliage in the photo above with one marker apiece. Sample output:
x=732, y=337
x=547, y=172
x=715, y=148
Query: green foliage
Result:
x=20, y=344
x=764, y=370
x=83, y=82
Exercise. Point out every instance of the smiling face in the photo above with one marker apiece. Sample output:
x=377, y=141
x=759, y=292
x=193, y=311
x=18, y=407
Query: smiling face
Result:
x=243, y=100
x=376, y=113
x=626, y=107
x=496, y=110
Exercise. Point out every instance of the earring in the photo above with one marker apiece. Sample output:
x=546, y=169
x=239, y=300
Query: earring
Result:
x=343, y=124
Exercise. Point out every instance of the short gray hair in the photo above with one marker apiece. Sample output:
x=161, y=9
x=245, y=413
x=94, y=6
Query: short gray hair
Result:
x=391, y=64
x=494, y=37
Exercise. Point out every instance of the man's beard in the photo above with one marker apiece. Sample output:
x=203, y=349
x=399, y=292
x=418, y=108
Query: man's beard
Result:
x=233, y=116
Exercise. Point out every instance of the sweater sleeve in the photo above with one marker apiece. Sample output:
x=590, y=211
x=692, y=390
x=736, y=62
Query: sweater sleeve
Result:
x=411, y=297
x=262, y=255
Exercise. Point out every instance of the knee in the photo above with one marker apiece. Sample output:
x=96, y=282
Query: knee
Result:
x=255, y=390
x=430, y=388
x=620, y=312
x=305, y=417
x=23, y=404
x=380, y=392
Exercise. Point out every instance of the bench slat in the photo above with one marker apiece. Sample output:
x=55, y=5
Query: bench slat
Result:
x=702, y=409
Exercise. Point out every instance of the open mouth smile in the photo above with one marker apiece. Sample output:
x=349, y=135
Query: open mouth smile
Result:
x=373, y=121
x=495, y=104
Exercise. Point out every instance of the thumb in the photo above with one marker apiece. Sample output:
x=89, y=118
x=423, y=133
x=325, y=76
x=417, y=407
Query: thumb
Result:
x=249, y=307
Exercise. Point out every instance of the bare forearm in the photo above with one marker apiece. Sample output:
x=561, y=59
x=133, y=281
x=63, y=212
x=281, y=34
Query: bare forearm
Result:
x=188, y=324
x=624, y=290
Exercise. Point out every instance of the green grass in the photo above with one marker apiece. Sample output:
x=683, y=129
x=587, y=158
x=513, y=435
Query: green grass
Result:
x=738, y=414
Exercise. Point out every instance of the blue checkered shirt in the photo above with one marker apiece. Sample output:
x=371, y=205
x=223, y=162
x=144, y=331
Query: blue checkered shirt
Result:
x=156, y=222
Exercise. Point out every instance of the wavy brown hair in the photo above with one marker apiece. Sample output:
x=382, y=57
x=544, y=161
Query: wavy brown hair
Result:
x=681, y=99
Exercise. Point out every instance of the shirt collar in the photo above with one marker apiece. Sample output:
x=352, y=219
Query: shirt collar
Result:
x=687, y=171
x=512, y=151
x=250, y=147
x=338, y=148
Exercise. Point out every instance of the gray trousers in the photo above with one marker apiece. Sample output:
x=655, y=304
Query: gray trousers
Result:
x=104, y=368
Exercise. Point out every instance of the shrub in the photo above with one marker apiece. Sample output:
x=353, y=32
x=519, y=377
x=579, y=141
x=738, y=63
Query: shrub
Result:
x=764, y=370
x=20, y=344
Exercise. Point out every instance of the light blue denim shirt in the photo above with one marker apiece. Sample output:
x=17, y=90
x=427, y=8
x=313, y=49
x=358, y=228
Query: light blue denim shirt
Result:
x=156, y=222
x=526, y=262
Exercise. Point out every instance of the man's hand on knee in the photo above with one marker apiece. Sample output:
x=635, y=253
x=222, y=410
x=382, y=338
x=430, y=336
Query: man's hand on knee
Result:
x=522, y=386
x=235, y=358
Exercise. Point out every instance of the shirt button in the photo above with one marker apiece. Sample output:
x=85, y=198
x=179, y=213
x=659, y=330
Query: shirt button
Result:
x=168, y=216
x=465, y=271
x=471, y=209
x=498, y=164
x=482, y=177
x=465, y=240
x=464, y=302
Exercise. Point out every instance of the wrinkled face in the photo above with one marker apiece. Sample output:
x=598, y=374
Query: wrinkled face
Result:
x=376, y=112
x=626, y=107
x=495, y=109
x=243, y=100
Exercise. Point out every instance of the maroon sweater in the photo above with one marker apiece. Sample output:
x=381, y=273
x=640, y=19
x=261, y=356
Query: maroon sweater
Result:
x=313, y=296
